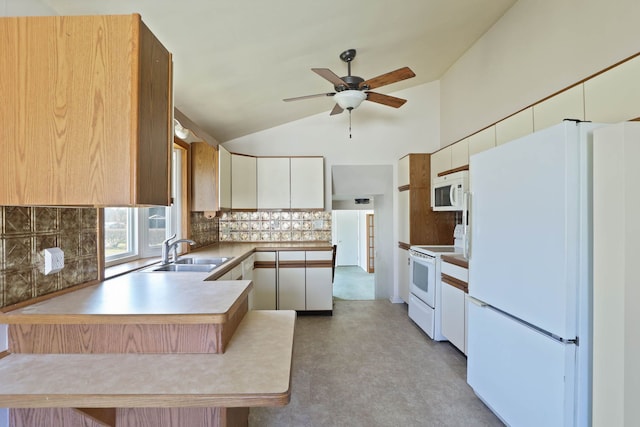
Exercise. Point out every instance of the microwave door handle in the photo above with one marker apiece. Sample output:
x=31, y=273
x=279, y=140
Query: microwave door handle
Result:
x=452, y=195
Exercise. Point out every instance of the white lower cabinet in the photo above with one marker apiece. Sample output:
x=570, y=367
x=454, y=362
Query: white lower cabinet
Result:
x=264, y=281
x=453, y=305
x=291, y=280
x=247, y=274
x=319, y=281
x=299, y=280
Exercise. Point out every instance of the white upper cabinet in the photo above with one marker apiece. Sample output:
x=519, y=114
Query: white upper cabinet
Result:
x=243, y=182
x=274, y=187
x=520, y=124
x=614, y=96
x=483, y=140
x=565, y=105
x=403, y=171
x=460, y=153
x=307, y=183
x=440, y=161
x=224, y=178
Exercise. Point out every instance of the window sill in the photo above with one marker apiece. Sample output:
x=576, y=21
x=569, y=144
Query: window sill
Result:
x=128, y=267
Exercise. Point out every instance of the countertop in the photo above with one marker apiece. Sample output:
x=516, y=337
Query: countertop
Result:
x=458, y=260
x=254, y=371
x=152, y=298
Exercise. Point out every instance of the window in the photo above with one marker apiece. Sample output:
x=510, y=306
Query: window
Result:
x=132, y=233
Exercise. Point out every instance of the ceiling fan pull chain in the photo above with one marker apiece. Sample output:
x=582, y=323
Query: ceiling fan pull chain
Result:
x=350, y=122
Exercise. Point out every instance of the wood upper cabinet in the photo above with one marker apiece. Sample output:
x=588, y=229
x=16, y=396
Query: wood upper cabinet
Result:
x=204, y=184
x=243, y=182
x=86, y=112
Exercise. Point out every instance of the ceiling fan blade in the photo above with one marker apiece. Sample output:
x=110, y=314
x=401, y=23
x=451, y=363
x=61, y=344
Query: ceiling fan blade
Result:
x=336, y=110
x=309, y=96
x=330, y=75
x=388, y=100
x=388, y=78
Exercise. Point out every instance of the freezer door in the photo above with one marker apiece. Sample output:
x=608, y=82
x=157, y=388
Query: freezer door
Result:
x=529, y=227
x=525, y=377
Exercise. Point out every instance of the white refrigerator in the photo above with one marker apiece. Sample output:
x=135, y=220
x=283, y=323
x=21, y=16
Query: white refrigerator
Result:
x=530, y=282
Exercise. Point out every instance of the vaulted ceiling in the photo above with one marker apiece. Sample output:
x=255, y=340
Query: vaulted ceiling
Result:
x=234, y=61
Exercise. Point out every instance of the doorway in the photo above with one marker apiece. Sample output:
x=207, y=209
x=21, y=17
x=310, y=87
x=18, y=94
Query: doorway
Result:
x=352, y=235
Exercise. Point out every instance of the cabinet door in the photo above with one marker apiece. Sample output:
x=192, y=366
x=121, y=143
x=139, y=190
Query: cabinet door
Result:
x=307, y=183
x=483, y=140
x=243, y=182
x=520, y=124
x=86, y=112
x=460, y=153
x=224, y=178
x=264, y=281
x=291, y=280
x=319, y=282
x=614, y=96
x=403, y=171
x=273, y=183
x=565, y=105
x=404, y=220
x=440, y=161
x=203, y=177
x=453, y=315
x=403, y=274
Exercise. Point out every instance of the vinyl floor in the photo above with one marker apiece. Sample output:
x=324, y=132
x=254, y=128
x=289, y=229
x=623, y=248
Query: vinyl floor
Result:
x=353, y=283
x=370, y=365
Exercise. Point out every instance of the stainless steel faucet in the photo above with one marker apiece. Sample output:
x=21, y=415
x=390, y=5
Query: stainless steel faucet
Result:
x=168, y=246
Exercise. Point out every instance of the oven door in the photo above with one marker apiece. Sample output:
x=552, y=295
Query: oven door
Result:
x=422, y=275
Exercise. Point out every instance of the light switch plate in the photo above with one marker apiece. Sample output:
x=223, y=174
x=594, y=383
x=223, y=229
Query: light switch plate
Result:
x=53, y=260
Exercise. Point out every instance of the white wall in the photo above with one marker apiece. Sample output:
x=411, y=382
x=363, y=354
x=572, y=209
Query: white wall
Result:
x=25, y=8
x=536, y=49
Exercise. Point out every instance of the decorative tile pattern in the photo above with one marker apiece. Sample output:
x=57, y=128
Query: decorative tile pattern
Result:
x=270, y=226
x=26, y=231
x=204, y=231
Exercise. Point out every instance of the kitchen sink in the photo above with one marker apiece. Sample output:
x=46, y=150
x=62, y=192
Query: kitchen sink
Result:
x=198, y=265
x=202, y=268
x=214, y=261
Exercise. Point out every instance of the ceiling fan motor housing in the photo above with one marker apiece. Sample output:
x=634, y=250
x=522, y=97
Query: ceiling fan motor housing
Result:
x=353, y=83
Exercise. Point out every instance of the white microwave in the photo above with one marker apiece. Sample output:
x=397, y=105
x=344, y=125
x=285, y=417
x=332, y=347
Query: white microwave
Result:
x=447, y=192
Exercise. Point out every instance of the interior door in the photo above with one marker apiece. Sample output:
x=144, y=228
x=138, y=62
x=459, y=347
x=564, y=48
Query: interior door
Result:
x=346, y=224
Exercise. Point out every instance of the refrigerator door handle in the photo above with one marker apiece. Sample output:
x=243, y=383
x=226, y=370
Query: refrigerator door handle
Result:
x=476, y=301
x=466, y=214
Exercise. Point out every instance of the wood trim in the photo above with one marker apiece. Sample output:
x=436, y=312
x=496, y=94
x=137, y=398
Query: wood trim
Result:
x=4, y=353
x=100, y=238
x=403, y=245
x=264, y=264
x=456, y=283
x=292, y=264
x=455, y=261
x=458, y=169
x=319, y=264
x=405, y=187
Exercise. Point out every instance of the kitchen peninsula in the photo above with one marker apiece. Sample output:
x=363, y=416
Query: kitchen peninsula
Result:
x=146, y=349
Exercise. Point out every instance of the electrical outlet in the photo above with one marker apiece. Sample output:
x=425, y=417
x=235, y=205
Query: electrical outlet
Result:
x=53, y=260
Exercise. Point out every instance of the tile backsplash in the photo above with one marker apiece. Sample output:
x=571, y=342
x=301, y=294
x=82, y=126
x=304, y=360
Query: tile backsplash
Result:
x=272, y=226
x=204, y=230
x=26, y=231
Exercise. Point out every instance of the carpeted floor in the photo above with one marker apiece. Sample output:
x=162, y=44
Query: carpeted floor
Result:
x=353, y=283
x=369, y=365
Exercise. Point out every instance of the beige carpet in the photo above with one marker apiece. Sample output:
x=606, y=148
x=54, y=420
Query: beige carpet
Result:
x=369, y=365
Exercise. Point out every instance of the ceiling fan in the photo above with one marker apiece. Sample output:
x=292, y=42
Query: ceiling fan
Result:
x=350, y=90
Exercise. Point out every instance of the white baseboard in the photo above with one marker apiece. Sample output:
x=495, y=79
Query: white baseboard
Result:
x=396, y=300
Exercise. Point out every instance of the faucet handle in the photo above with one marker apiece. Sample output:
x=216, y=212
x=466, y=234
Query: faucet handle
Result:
x=166, y=241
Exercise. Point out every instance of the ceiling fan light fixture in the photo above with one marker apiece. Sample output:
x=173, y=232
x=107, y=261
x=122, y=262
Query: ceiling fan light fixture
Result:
x=349, y=99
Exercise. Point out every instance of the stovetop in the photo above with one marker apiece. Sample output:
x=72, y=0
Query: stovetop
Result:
x=437, y=250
